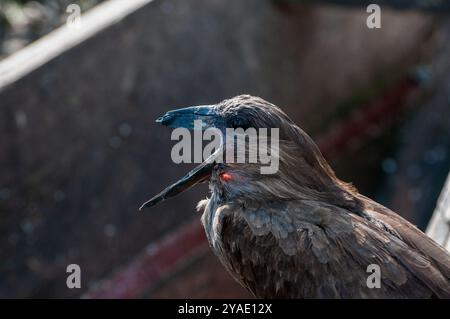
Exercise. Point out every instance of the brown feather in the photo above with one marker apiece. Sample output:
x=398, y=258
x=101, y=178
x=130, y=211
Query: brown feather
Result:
x=303, y=233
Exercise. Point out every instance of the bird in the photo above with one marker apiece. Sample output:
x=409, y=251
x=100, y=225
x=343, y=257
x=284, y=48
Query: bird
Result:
x=302, y=232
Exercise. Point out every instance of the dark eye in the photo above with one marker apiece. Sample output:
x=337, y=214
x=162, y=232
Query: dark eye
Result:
x=240, y=122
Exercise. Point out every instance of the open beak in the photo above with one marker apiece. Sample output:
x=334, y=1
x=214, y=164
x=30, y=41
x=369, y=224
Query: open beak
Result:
x=185, y=118
x=199, y=174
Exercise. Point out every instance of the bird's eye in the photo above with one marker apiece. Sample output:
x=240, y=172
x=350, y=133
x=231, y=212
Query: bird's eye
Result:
x=240, y=122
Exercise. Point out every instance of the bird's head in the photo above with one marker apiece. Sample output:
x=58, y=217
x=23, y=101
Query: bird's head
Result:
x=301, y=171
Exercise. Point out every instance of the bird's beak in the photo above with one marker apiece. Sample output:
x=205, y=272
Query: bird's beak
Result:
x=185, y=118
x=195, y=176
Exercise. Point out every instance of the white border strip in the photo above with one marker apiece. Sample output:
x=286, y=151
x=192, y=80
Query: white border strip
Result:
x=439, y=225
x=62, y=39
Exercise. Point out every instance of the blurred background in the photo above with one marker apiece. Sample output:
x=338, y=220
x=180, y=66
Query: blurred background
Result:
x=80, y=151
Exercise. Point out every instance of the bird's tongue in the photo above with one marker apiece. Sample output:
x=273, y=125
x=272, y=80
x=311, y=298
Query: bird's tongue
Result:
x=195, y=176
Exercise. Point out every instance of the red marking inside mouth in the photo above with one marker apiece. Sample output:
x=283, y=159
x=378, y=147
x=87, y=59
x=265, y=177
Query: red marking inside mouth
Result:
x=226, y=177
